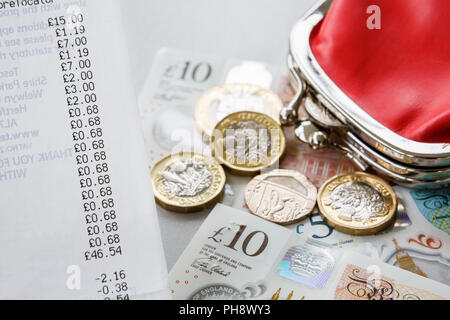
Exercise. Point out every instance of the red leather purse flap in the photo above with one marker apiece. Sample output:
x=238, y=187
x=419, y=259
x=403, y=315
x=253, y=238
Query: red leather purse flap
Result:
x=399, y=74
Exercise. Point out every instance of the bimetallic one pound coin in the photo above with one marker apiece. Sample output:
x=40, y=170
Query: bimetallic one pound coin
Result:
x=226, y=99
x=247, y=142
x=357, y=203
x=187, y=182
x=281, y=196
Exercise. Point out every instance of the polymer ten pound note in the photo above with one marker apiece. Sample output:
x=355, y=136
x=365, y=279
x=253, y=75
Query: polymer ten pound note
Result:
x=77, y=218
x=178, y=79
x=236, y=255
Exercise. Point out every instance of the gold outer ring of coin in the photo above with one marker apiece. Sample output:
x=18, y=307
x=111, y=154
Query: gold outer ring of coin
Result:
x=384, y=219
x=281, y=196
x=218, y=147
x=188, y=204
x=202, y=108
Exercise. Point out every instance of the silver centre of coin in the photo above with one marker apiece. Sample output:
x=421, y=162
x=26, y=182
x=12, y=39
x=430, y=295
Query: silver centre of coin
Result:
x=248, y=141
x=187, y=178
x=356, y=201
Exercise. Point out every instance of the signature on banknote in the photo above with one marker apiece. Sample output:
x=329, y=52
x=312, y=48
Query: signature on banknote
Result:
x=210, y=265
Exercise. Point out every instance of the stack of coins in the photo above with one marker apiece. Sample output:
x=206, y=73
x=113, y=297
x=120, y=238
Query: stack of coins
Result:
x=247, y=142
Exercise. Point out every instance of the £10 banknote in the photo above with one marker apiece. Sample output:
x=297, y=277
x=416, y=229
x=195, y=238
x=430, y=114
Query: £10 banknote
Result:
x=417, y=242
x=236, y=255
x=175, y=83
x=178, y=79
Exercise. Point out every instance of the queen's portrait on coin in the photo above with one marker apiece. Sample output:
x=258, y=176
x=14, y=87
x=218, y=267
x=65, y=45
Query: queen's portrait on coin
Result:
x=356, y=201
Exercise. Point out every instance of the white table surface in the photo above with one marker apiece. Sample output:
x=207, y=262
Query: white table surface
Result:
x=246, y=29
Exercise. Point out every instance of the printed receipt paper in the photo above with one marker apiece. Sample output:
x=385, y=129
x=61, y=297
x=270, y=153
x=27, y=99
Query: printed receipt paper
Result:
x=78, y=218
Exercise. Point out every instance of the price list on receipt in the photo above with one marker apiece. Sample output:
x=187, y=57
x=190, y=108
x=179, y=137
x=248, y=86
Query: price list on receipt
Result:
x=77, y=217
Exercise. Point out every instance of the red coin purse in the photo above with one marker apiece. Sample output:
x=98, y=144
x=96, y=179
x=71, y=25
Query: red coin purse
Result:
x=400, y=73
x=373, y=77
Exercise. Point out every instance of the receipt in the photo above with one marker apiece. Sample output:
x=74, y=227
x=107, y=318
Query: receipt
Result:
x=78, y=218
